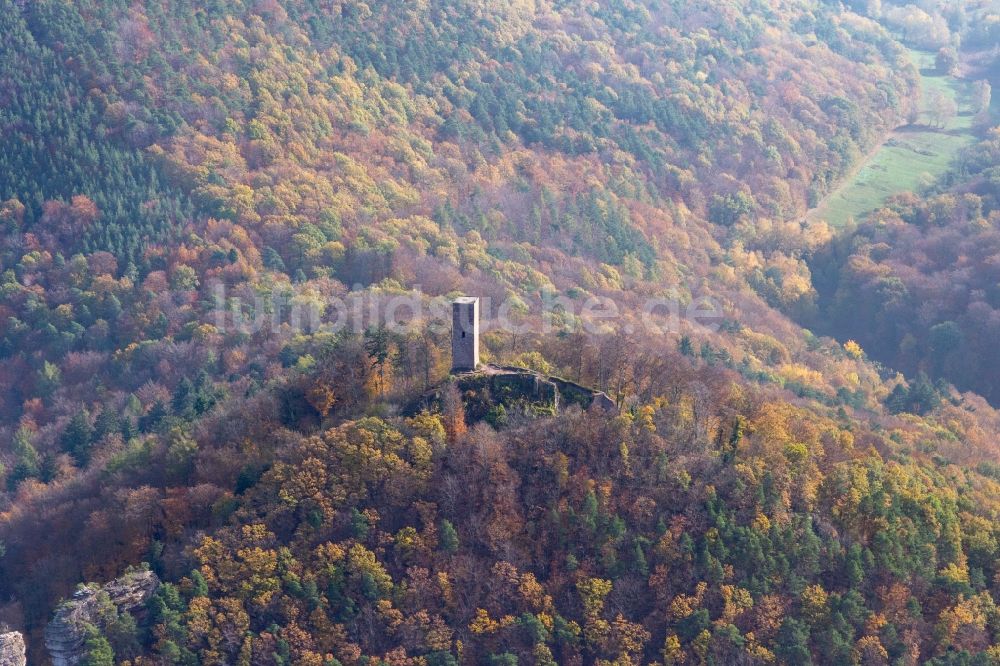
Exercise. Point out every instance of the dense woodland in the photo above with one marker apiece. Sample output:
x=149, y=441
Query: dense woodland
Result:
x=767, y=493
x=917, y=283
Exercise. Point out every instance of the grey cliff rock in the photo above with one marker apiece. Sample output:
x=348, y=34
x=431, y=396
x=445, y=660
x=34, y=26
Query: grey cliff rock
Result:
x=66, y=634
x=12, y=649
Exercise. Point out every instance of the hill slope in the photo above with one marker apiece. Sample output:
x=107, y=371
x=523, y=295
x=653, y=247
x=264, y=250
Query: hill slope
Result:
x=165, y=165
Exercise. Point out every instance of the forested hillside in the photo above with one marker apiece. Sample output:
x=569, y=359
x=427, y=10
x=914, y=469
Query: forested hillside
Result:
x=762, y=495
x=917, y=283
x=279, y=160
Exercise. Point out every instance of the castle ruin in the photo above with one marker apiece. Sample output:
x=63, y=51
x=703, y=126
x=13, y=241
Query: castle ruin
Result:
x=464, y=334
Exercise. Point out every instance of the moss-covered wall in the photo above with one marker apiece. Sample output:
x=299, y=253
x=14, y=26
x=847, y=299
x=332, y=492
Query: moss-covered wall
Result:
x=507, y=389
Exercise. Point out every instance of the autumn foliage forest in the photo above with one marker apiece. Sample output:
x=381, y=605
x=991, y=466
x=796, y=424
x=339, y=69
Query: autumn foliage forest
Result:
x=815, y=478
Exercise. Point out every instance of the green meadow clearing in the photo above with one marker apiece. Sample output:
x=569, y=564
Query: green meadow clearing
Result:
x=911, y=158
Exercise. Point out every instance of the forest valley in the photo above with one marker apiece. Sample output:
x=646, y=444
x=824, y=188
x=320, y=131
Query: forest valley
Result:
x=814, y=479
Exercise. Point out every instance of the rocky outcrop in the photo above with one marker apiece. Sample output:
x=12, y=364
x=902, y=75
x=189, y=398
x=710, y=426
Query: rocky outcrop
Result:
x=66, y=634
x=12, y=649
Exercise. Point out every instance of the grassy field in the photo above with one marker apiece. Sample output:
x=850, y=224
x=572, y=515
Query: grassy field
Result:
x=912, y=157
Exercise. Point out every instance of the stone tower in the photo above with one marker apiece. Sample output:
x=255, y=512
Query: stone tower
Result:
x=465, y=333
